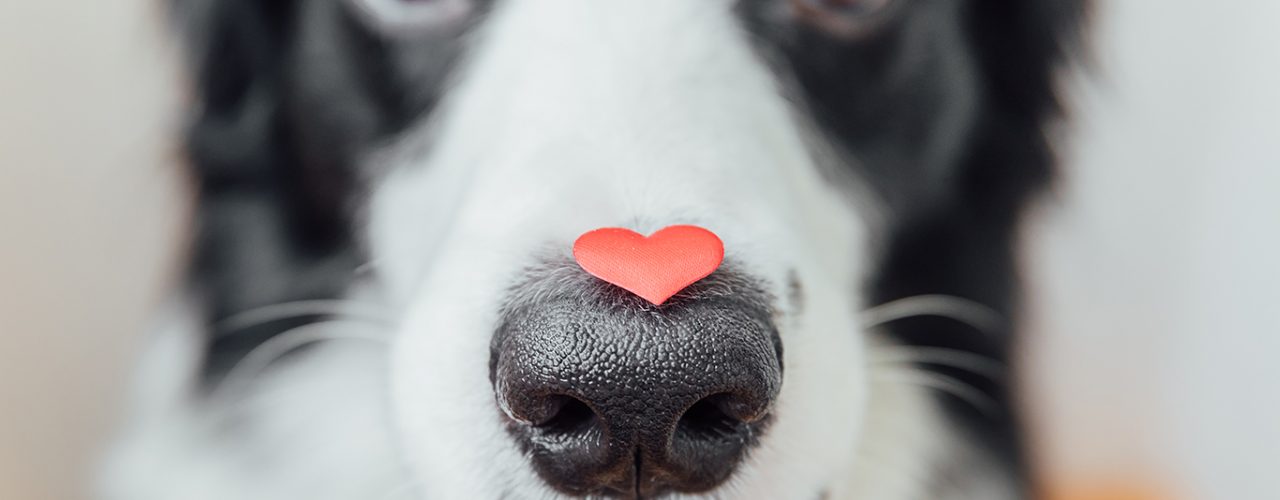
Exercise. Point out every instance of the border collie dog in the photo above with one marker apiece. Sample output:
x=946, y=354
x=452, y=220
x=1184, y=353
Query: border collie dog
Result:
x=383, y=302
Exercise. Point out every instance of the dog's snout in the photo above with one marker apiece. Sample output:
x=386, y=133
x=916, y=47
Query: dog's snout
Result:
x=610, y=395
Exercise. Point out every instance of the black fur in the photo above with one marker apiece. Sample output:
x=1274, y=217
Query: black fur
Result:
x=291, y=94
x=946, y=105
x=897, y=98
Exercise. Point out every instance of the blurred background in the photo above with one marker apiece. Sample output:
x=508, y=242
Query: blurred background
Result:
x=1152, y=360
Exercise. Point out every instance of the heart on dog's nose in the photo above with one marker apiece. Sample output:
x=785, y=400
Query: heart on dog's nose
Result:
x=654, y=267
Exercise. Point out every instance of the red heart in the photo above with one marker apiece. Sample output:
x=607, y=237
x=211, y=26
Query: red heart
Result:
x=656, y=267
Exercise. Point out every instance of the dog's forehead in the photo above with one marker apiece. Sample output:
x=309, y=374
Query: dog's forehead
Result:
x=906, y=116
x=573, y=115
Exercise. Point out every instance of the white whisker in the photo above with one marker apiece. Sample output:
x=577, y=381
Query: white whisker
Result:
x=286, y=310
x=954, y=358
x=945, y=384
x=261, y=357
x=368, y=267
x=403, y=490
x=967, y=311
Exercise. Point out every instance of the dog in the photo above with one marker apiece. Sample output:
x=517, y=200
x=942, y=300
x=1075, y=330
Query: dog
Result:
x=383, y=303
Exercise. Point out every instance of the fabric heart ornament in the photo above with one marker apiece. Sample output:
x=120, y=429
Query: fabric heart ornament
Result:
x=655, y=267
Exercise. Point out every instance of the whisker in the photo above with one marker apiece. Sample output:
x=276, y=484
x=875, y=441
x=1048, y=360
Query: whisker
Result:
x=946, y=385
x=890, y=464
x=402, y=489
x=910, y=473
x=967, y=311
x=287, y=310
x=368, y=267
x=954, y=358
x=261, y=357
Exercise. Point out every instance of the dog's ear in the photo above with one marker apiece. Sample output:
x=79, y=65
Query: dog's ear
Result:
x=275, y=204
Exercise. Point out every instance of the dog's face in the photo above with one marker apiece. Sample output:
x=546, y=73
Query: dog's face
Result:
x=460, y=147
x=572, y=115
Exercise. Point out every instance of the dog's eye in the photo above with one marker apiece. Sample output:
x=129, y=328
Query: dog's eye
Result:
x=843, y=17
x=407, y=17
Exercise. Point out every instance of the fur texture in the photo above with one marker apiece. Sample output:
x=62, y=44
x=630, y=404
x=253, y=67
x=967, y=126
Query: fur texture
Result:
x=374, y=190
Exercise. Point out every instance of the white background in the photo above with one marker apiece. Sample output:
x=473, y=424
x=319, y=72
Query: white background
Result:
x=1156, y=270
x=1155, y=351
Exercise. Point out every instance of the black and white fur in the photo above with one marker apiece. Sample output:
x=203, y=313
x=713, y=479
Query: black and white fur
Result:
x=373, y=183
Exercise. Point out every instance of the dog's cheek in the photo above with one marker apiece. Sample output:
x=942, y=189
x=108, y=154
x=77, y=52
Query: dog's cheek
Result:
x=815, y=434
x=443, y=403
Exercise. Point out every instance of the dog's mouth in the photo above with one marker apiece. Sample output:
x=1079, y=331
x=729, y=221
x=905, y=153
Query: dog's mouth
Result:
x=612, y=396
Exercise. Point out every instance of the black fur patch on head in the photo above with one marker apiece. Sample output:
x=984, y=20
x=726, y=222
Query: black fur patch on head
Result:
x=291, y=95
x=942, y=108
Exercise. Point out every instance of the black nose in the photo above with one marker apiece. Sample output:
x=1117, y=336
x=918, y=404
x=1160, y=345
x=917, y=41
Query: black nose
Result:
x=612, y=396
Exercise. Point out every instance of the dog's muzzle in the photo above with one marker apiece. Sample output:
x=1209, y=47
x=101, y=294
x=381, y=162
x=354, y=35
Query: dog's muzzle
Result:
x=609, y=395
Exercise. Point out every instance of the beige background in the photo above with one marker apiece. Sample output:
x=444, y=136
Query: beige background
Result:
x=88, y=224
x=1154, y=270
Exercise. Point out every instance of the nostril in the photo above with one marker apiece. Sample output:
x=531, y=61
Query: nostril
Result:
x=570, y=416
x=710, y=419
x=711, y=438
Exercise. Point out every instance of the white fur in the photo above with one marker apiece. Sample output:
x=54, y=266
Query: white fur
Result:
x=568, y=116
x=577, y=114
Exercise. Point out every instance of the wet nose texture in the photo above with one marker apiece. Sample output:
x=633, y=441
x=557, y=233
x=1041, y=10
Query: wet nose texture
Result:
x=610, y=395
